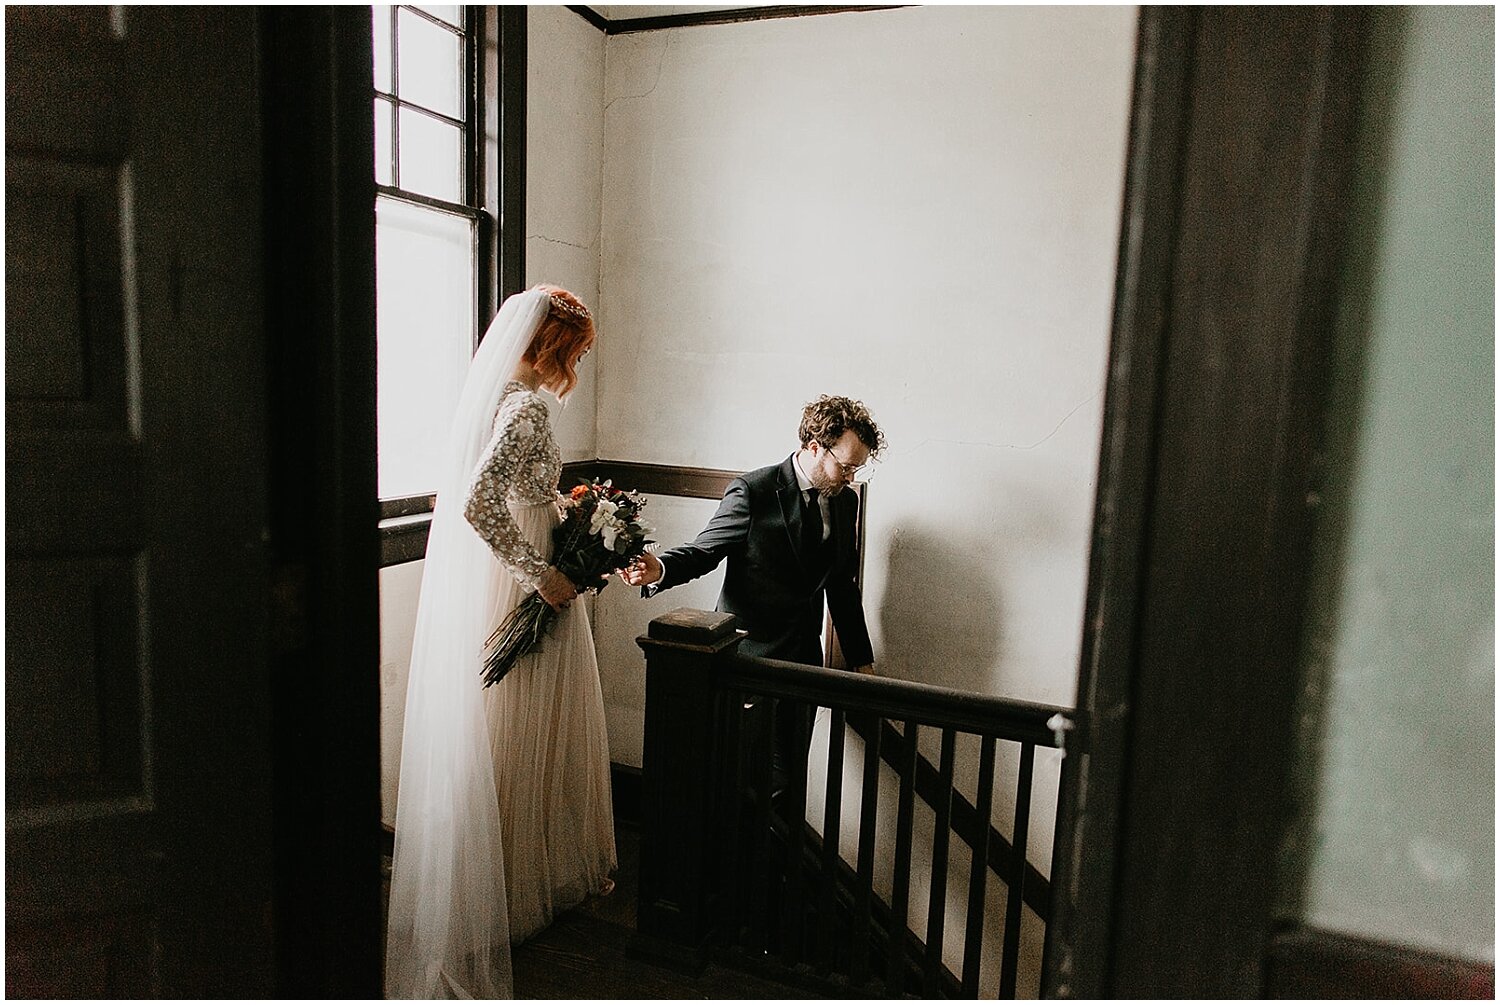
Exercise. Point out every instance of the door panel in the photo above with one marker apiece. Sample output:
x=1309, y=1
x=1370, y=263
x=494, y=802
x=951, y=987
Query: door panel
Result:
x=137, y=712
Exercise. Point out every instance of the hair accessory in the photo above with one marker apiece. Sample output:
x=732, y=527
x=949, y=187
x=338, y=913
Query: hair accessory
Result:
x=574, y=312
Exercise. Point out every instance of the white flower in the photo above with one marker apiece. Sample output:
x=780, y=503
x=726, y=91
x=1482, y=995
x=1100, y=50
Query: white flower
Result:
x=608, y=532
x=603, y=513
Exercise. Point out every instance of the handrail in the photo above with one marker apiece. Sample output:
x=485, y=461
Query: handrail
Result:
x=711, y=867
x=928, y=704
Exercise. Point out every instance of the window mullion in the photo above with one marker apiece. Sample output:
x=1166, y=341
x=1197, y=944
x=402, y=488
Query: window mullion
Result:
x=435, y=20
x=396, y=101
x=429, y=202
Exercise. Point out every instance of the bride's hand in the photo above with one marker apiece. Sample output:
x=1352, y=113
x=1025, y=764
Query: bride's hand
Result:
x=556, y=589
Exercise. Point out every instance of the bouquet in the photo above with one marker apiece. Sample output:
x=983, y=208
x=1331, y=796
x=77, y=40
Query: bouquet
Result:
x=601, y=532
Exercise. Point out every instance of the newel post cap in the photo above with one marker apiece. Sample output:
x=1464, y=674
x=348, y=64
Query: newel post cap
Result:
x=689, y=627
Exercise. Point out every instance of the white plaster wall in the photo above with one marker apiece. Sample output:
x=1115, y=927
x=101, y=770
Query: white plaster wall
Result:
x=915, y=207
x=620, y=615
x=564, y=136
x=918, y=208
x=400, y=588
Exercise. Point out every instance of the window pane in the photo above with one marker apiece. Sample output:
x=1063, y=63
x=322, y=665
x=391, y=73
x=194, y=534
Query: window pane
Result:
x=431, y=156
x=424, y=263
x=452, y=13
x=382, y=19
x=431, y=63
x=384, y=127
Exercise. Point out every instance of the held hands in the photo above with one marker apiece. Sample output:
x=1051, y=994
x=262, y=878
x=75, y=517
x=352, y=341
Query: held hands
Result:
x=868, y=668
x=556, y=589
x=643, y=571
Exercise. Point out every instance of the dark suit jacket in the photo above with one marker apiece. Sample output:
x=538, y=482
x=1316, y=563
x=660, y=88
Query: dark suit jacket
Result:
x=774, y=590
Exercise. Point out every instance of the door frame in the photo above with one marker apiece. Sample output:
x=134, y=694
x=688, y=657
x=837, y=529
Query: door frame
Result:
x=1175, y=791
x=324, y=511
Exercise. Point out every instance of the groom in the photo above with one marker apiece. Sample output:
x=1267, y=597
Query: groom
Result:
x=788, y=532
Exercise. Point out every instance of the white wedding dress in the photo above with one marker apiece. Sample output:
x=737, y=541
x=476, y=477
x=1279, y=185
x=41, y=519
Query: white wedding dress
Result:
x=503, y=814
x=546, y=717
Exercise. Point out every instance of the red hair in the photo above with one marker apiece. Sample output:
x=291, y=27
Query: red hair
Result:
x=564, y=336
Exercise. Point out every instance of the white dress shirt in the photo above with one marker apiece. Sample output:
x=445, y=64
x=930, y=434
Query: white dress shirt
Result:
x=804, y=484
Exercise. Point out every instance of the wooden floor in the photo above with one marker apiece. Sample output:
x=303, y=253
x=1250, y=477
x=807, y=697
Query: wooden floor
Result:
x=585, y=954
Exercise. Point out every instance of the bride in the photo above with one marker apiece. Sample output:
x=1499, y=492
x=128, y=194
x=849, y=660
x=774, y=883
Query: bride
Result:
x=503, y=815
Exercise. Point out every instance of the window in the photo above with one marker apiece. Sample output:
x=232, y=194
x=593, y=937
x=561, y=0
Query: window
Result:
x=429, y=234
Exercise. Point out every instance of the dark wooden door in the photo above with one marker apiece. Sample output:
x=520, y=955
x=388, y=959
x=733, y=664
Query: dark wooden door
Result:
x=1175, y=785
x=138, y=852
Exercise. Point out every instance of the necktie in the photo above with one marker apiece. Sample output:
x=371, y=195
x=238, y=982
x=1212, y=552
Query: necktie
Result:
x=812, y=526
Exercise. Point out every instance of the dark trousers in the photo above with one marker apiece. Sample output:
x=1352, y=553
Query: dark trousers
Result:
x=790, y=728
x=792, y=731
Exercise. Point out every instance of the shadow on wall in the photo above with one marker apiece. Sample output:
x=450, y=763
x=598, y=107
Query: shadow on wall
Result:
x=941, y=618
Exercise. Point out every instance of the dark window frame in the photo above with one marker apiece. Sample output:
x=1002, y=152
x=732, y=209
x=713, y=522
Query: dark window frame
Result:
x=471, y=35
x=494, y=190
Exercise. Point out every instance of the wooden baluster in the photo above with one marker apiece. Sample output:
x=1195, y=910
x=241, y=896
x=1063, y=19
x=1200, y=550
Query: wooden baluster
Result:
x=1017, y=879
x=795, y=813
x=833, y=803
x=901, y=883
x=763, y=881
x=869, y=801
x=937, y=901
x=731, y=869
x=979, y=867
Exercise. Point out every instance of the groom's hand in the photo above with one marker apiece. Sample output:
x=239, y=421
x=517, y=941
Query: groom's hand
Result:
x=643, y=571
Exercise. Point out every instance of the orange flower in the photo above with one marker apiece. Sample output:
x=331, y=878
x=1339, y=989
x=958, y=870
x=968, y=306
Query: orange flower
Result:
x=579, y=491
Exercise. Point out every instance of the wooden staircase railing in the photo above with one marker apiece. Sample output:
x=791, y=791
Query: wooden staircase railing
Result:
x=728, y=867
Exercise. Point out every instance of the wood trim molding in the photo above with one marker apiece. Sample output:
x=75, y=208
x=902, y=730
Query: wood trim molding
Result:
x=667, y=479
x=1309, y=963
x=590, y=15
x=575, y=472
x=623, y=26
x=404, y=539
x=405, y=523
x=391, y=509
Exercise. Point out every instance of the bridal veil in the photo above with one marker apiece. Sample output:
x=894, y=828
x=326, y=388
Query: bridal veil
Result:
x=448, y=935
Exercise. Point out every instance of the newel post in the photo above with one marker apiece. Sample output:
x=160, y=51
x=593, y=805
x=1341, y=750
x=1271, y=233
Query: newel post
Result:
x=678, y=775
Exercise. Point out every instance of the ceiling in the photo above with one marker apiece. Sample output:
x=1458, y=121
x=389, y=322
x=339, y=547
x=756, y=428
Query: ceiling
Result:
x=622, y=12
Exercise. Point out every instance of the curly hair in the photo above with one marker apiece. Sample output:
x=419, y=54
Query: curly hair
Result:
x=825, y=420
x=561, y=340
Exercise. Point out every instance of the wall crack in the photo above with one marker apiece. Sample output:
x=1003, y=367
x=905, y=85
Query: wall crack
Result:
x=661, y=61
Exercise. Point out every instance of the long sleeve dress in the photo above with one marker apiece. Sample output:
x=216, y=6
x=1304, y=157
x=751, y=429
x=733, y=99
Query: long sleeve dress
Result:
x=546, y=717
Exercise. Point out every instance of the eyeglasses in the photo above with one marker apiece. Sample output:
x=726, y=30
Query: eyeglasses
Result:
x=850, y=471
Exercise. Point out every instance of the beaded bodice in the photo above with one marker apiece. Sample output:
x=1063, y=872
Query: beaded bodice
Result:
x=522, y=465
